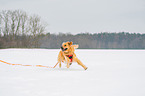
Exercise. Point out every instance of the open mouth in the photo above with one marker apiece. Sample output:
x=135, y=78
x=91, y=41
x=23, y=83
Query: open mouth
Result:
x=63, y=49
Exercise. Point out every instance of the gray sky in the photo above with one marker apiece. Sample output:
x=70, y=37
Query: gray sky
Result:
x=76, y=16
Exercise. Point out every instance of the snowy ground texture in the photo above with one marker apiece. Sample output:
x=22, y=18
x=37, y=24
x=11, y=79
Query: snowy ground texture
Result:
x=110, y=73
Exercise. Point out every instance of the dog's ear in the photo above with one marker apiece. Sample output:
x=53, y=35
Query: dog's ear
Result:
x=70, y=43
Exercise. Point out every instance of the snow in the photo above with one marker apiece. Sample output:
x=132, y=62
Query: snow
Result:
x=110, y=73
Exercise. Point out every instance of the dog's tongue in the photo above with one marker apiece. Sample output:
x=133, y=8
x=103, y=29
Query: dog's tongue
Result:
x=64, y=49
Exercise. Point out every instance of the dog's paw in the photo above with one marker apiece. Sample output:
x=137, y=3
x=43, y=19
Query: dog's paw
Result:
x=86, y=68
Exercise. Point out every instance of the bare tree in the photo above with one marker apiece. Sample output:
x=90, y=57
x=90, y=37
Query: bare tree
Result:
x=19, y=29
x=5, y=22
x=36, y=29
x=0, y=25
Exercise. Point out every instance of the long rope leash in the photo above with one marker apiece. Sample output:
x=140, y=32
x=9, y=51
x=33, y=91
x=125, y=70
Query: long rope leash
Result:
x=26, y=65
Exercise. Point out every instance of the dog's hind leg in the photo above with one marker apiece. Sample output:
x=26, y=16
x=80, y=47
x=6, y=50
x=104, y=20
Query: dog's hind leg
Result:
x=80, y=63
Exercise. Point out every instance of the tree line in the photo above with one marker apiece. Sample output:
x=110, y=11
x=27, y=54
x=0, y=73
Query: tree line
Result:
x=122, y=40
x=20, y=30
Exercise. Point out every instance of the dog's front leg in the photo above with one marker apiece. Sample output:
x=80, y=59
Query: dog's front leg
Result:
x=68, y=63
x=60, y=65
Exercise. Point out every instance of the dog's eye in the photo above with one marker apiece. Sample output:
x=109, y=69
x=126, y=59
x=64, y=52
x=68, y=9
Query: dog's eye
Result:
x=64, y=45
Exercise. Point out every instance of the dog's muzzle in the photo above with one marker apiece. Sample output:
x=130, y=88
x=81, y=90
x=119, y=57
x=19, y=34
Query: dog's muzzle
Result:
x=63, y=49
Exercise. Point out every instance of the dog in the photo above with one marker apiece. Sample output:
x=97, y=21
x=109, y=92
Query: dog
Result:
x=67, y=55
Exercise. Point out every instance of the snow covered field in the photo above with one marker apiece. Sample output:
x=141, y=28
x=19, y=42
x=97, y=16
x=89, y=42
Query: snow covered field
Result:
x=110, y=73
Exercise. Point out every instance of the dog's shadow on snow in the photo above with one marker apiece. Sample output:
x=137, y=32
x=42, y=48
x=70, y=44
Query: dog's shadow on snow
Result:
x=65, y=69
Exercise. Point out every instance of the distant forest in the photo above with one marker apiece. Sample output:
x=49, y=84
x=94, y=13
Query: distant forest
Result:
x=105, y=40
x=19, y=30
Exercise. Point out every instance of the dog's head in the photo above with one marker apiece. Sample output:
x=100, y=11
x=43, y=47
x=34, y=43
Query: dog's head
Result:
x=66, y=46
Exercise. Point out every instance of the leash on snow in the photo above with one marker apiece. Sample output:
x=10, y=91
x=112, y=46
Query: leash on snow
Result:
x=28, y=65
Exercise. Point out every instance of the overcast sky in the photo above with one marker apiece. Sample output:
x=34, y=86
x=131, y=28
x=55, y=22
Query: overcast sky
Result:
x=76, y=16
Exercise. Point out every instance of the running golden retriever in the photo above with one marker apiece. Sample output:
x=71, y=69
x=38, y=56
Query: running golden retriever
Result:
x=67, y=55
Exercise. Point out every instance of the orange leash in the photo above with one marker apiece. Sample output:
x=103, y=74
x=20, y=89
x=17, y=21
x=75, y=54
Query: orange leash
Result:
x=55, y=64
x=26, y=65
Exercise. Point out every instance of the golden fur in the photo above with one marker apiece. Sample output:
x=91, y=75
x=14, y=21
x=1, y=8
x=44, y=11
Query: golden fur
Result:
x=67, y=50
